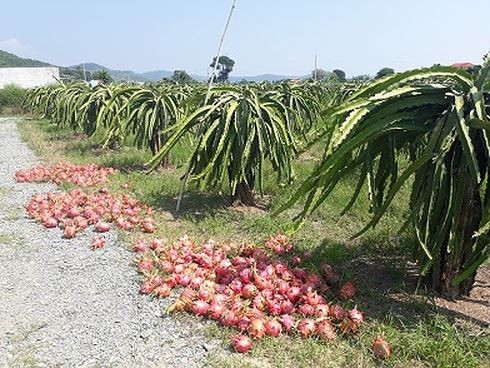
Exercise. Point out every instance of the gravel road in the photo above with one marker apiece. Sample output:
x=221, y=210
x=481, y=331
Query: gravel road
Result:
x=65, y=305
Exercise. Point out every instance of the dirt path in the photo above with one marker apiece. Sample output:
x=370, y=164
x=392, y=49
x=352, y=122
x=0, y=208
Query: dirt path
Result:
x=64, y=305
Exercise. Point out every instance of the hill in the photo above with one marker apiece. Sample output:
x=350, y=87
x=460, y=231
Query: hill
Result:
x=157, y=75
x=118, y=75
x=89, y=67
x=75, y=71
x=8, y=60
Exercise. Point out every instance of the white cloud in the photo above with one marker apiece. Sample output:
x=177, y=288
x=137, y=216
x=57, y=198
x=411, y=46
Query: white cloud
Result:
x=15, y=46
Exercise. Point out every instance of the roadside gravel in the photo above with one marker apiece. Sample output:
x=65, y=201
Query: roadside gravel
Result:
x=65, y=305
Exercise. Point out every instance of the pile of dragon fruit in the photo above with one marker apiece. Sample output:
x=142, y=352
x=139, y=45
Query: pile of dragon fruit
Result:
x=250, y=289
x=81, y=175
x=245, y=287
x=76, y=210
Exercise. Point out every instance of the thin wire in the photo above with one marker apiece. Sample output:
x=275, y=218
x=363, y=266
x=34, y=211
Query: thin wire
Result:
x=208, y=93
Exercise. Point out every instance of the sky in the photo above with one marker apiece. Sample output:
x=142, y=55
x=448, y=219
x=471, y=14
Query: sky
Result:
x=265, y=36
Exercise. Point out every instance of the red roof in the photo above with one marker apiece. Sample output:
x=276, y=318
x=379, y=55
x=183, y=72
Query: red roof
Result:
x=466, y=65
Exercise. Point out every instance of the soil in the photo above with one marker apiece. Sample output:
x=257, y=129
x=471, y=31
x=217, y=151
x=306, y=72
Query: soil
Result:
x=476, y=306
x=391, y=287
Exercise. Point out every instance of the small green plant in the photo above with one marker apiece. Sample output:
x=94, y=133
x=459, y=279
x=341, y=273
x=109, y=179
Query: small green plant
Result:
x=11, y=98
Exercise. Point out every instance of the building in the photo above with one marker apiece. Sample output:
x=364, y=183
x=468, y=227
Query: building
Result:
x=464, y=65
x=29, y=77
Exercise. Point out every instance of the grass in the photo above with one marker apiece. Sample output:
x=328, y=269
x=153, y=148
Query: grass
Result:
x=422, y=334
x=5, y=191
x=25, y=354
x=25, y=357
x=14, y=214
x=11, y=98
x=8, y=239
x=24, y=333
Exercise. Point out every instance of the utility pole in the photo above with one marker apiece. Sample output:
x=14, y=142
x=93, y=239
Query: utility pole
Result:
x=84, y=74
x=218, y=54
x=315, y=75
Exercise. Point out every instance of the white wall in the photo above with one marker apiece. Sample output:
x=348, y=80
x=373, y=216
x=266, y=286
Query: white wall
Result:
x=28, y=77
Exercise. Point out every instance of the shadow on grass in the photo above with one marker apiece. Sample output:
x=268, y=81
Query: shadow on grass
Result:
x=195, y=204
x=387, y=285
x=126, y=163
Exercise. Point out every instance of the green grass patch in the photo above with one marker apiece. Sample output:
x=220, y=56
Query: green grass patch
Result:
x=14, y=214
x=11, y=100
x=5, y=191
x=8, y=239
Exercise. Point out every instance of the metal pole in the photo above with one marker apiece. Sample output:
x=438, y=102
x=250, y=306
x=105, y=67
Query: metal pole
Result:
x=220, y=46
x=315, y=73
x=210, y=84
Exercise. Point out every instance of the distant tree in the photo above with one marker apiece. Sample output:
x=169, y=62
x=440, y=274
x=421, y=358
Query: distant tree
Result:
x=319, y=74
x=361, y=78
x=383, y=72
x=323, y=76
x=224, y=68
x=103, y=76
x=340, y=74
x=74, y=74
x=181, y=76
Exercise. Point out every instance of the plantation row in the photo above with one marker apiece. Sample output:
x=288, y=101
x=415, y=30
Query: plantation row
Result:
x=238, y=127
x=426, y=128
